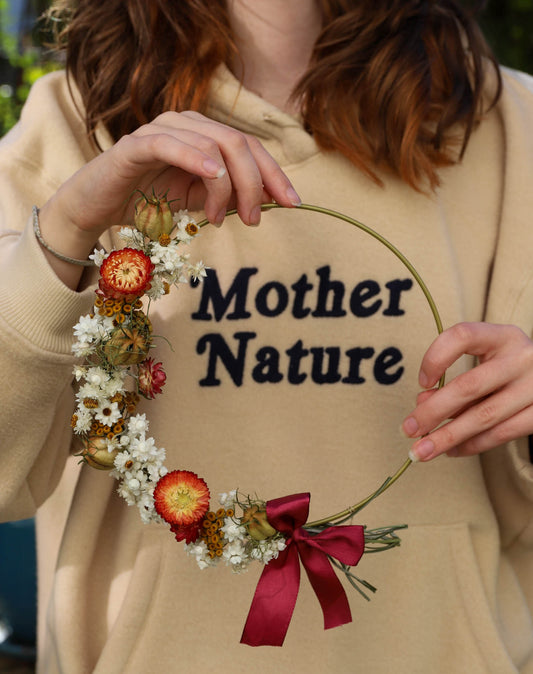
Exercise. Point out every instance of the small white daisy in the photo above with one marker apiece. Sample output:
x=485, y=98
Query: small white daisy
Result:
x=107, y=413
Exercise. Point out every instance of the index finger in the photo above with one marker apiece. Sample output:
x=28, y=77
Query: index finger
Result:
x=276, y=183
x=252, y=157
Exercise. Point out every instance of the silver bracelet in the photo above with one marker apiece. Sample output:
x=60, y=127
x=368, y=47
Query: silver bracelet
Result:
x=39, y=236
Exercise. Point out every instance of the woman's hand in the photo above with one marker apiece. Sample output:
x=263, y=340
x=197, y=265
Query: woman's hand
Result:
x=485, y=407
x=204, y=164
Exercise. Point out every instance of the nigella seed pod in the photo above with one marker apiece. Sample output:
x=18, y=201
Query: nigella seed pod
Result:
x=96, y=454
x=153, y=217
x=126, y=346
x=255, y=520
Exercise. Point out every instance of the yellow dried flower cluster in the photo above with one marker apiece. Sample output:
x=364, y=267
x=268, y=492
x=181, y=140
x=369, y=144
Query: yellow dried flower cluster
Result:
x=117, y=309
x=211, y=532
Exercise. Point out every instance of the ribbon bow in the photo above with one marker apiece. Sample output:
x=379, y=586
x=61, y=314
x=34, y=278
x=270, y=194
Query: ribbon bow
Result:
x=275, y=595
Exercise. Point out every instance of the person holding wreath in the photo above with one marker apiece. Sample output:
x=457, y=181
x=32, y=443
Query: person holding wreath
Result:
x=292, y=366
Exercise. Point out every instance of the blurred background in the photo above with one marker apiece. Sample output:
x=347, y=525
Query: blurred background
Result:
x=508, y=26
x=23, y=58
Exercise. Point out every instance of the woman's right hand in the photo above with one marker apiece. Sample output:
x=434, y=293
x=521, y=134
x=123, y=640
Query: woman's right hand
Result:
x=203, y=163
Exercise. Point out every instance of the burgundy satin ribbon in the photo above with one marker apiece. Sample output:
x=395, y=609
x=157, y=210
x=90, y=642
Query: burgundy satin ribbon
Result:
x=275, y=595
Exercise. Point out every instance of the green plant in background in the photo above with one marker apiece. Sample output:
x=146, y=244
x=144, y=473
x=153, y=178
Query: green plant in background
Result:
x=23, y=59
x=31, y=67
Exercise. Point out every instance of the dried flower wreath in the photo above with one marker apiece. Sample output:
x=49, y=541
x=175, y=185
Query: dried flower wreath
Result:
x=115, y=341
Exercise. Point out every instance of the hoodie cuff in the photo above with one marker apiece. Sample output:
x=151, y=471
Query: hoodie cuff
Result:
x=33, y=300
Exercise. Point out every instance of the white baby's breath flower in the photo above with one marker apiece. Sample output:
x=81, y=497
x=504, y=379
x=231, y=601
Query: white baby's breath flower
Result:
x=152, y=470
x=234, y=552
x=138, y=424
x=114, y=384
x=145, y=503
x=87, y=329
x=142, y=448
x=89, y=391
x=166, y=258
x=126, y=494
x=201, y=553
x=79, y=372
x=227, y=499
x=155, y=456
x=90, y=331
x=233, y=531
x=133, y=484
x=131, y=237
x=157, y=288
x=112, y=444
x=83, y=420
x=182, y=216
x=98, y=256
x=236, y=557
x=82, y=349
x=256, y=553
x=96, y=376
x=197, y=271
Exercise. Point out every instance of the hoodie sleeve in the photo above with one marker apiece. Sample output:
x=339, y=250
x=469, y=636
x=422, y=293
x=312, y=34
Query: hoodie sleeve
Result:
x=37, y=311
x=508, y=469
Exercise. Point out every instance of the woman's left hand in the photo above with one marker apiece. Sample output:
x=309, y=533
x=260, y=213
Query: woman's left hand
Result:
x=485, y=407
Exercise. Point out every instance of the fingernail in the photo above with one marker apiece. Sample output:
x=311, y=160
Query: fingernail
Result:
x=214, y=168
x=423, y=380
x=220, y=217
x=293, y=197
x=410, y=427
x=422, y=450
x=255, y=216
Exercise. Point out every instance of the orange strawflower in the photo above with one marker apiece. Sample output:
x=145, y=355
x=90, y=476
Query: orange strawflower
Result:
x=125, y=274
x=181, y=498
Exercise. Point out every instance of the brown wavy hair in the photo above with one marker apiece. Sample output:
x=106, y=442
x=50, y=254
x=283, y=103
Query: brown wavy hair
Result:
x=394, y=85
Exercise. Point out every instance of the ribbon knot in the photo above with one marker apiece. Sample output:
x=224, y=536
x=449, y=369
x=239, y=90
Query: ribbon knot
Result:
x=276, y=592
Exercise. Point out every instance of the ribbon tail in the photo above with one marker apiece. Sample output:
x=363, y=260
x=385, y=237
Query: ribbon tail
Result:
x=274, y=601
x=327, y=587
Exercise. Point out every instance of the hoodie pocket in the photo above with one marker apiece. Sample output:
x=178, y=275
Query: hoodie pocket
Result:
x=431, y=615
x=448, y=606
x=142, y=589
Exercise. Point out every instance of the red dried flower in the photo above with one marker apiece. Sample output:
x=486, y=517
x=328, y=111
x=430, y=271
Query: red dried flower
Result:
x=125, y=274
x=188, y=534
x=151, y=378
x=181, y=498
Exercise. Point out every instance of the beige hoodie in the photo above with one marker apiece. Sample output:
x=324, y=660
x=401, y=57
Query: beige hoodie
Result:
x=290, y=371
